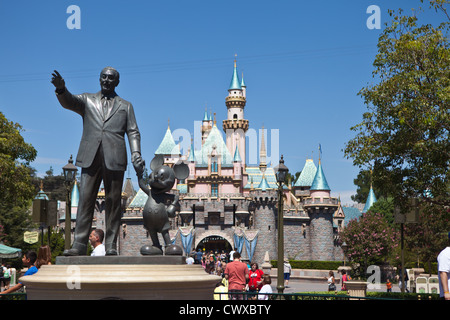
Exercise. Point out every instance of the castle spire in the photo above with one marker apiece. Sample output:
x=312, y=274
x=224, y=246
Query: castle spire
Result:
x=235, y=79
x=262, y=153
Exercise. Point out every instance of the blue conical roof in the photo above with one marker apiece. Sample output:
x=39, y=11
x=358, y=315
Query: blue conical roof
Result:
x=41, y=194
x=307, y=175
x=75, y=197
x=237, y=156
x=371, y=199
x=320, y=182
x=214, y=141
x=264, y=185
x=192, y=153
x=235, y=79
x=242, y=81
x=167, y=145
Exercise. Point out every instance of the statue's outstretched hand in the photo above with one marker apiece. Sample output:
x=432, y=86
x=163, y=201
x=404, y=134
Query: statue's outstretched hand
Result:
x=58, y=80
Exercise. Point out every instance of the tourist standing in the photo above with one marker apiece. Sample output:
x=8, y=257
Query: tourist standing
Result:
x=330, y=281
x=443, y=260
x=255, y=281
x=237, y=275
x=287, y=272
x=388, y=285
x=344, y=278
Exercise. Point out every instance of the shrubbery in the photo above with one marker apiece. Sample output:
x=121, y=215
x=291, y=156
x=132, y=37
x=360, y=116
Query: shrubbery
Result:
x=317, y=265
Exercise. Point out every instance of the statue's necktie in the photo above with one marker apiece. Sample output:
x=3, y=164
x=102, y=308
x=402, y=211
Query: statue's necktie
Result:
x=106, y=106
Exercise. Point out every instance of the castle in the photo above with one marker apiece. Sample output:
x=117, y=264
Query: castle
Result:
x=226, y=203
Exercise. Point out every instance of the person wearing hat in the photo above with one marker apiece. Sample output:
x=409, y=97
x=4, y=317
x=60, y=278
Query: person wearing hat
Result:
x=287, y=272
x=443, y=260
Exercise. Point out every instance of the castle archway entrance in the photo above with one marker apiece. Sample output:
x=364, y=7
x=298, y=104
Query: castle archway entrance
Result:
x=214, y=243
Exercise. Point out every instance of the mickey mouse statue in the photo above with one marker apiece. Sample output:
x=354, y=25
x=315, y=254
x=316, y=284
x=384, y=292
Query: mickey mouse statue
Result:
x=160, y=205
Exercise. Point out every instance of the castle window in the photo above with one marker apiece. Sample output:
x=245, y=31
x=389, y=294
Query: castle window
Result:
x=235, y=116
x=214, y=189
x=214, y=166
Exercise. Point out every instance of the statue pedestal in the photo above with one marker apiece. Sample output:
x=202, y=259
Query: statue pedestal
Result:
x=124, y=278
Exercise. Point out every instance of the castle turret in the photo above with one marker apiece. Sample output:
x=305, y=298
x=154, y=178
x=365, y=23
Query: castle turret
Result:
x=235, y=126
x=371, y=199
x=321, y=207
x=244, y=87
x=206, y=126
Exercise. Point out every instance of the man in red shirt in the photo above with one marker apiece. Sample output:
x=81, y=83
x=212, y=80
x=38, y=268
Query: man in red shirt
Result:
x=236, y=273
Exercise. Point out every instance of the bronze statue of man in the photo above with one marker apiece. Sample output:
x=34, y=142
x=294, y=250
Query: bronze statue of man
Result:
x=102, y=154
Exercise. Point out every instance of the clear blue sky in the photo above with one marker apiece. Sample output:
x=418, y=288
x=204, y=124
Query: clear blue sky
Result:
x=303, y=62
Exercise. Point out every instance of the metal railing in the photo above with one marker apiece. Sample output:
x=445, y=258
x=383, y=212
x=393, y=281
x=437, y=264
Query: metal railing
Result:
x=291, y=296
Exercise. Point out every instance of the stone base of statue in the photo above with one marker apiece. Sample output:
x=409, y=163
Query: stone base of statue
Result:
x=121, y=278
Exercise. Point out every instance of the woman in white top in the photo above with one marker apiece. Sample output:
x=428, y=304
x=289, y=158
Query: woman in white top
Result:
x=266, y=288
x=330, y=281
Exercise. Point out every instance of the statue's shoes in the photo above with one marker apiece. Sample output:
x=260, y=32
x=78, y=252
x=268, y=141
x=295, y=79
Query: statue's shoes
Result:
x=111, y=252
x=72, y=252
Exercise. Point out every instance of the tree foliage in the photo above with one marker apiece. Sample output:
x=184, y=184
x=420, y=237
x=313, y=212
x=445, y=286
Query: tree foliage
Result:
x=428, y=237
x=15, y=157
x=404, y=135
x=370, y=240
x=16, y=189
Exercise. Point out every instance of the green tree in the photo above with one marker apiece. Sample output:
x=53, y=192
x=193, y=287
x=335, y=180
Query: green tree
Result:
x=370, y=240
x=291, y=178
x=404, y=135
x=53, y=186
x=15, y=157
x=384, y=206
x=16, y=189
x=428, y=237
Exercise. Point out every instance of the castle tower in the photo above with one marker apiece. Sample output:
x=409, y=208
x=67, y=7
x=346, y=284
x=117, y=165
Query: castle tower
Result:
x=321, y=207
x=235, y=126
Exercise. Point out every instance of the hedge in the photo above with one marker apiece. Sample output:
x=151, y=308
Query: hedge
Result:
x=334, y=265
x=377, y=295
x=317, y=265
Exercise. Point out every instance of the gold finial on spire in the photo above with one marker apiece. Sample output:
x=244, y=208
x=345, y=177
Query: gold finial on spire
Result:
x=214, y=118
x=235, y=56
x=168, y=123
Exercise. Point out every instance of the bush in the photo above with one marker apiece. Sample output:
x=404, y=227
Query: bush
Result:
x=317, y=265
x=403, y=296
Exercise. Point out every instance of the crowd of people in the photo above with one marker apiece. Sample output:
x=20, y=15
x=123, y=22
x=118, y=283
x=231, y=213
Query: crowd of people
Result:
x=240, y=280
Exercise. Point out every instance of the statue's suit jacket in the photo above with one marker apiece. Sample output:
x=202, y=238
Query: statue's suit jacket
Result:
x=109, y=132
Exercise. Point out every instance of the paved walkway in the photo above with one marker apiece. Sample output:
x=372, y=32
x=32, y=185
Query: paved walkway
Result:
x=300, y=285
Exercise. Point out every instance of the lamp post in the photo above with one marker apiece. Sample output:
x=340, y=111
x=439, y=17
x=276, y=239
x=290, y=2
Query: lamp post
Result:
x=280, y=171
x=69, y=177
x=344, y=247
